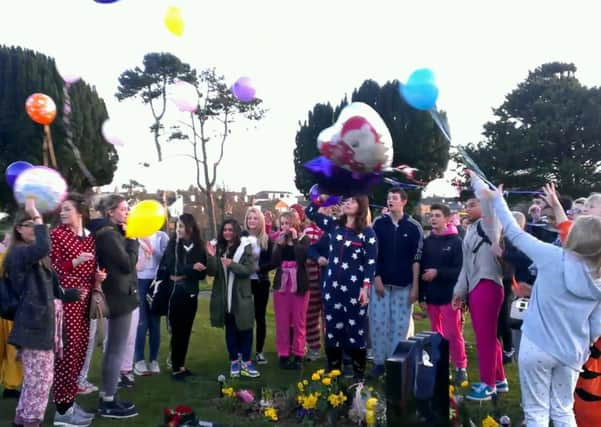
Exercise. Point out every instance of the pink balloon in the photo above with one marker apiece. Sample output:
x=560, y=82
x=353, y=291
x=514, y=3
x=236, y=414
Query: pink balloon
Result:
x=243, y=90
x=69, y=75
x=184, y=96
x=111, y=133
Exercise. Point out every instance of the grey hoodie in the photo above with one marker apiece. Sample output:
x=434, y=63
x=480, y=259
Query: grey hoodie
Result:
x=564, y=313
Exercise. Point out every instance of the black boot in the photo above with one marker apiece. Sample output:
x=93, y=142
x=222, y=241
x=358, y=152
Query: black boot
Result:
x=359, y=356
x=334, y=355
x=283, y=362
x=295, y=364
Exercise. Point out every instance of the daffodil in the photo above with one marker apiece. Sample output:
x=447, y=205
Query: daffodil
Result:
x=316, y=377
x=271, y=414
x=371, y=404
x=228, y=391
x=489, y=422
x=335, y=373
x=321, y=372
x=305, y=382
x=310, y=402
x=327, y=381
x=301, y=387
x=451, y=391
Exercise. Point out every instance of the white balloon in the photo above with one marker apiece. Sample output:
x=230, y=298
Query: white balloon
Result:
x=111, y=133
x=43, y=184
x=184, y=96
x=68, y=74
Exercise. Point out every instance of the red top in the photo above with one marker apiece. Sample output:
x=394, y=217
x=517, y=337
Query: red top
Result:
x=313, y=232
x=65, y=247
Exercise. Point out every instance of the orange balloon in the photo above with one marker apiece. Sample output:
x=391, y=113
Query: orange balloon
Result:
x=41, y=108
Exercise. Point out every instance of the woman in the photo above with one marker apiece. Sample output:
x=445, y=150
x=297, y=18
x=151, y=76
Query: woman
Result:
x=255, y=226
x=183, y=265
x=34, y=332
x=232, y=303
x=350, y=272
x=73, y=257
x=291, y=297
x=117, y=255
x=149, y=257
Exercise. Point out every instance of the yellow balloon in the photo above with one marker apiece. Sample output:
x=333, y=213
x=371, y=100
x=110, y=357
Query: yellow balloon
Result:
x=145, y=219
x=174, y=21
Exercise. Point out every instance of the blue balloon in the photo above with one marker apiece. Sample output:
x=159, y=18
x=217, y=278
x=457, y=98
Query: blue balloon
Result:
x=14, y=170
x=420, y=91
x=422, y=76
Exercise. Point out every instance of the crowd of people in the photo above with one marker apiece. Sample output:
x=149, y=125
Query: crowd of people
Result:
x=343, y=286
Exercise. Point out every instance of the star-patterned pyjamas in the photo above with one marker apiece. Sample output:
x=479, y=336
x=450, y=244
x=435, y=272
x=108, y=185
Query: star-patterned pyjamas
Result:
x=351, y=265
x=67, y=246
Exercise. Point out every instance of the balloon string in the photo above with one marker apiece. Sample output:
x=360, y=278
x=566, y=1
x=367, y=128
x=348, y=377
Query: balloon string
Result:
x=69, y=136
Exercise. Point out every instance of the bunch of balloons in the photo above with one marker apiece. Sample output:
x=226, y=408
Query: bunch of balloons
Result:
x=145, y=219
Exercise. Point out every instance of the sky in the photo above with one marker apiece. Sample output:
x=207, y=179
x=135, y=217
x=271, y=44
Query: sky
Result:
x=299, y=53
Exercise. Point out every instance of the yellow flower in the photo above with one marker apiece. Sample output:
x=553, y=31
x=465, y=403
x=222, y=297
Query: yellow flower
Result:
x=301, y=387
x=316, y=377
x=335, y=373
x=489, y=422
x=305, y=382
x=228, y=391
x=321, y=372
x=371, y=403
x=271, y=414
x=370, y=389
x=451, y=391
x=300, y=399
x=370, y=418
x=326, y=381
x=310, y=402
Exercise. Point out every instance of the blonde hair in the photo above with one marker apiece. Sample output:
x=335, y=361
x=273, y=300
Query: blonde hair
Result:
x=593, y=199
x=520, y=218
x=584, y=239
x=261, y=236
x=292, y=219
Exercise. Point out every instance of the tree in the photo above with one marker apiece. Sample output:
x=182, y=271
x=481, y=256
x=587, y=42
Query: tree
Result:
x=150, y=85
x=23, y=72
x=208, y=129
x=415, y=137
x=547, y=129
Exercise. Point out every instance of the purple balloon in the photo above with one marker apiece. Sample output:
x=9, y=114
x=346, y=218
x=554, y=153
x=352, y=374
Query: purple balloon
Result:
x=106, y=1
x=243, y=90
x=314, y=194
x=14, y=170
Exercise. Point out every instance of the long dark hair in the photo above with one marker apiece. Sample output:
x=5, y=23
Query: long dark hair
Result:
x=222, y=243
x=192, y=229
x=81, y=206
x=17, y=240
x=362, y=217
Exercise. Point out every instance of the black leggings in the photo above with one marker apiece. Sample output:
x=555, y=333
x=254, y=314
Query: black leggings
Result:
x=182, y=311
x=261, y=296
x=503, y=325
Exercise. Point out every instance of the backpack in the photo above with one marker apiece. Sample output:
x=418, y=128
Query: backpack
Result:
x=482, y=236
x=9, y=299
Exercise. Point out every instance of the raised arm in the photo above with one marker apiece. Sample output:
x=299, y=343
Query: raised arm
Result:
x=326, y=223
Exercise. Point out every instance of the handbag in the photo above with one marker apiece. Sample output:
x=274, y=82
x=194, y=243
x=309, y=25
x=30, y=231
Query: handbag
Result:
x=158, y=296
x=98, y=307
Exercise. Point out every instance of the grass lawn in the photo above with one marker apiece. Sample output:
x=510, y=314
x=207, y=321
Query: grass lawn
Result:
x=207, y=356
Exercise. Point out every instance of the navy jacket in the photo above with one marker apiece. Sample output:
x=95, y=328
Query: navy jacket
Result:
x=445, y=254
x=320, y=249
x=399, y=246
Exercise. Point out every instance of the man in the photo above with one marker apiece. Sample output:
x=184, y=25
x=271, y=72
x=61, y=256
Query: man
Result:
x=440, y=266
x=400, y=240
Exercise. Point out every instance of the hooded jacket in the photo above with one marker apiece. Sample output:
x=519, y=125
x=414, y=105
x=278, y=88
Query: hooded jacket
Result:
x=564, y=313
x=442, y=252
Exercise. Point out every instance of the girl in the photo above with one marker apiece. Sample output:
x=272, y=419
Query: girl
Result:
x=254, y=223
x=350, y=272
x=73, y=257
x=118, y=256
x=151, y=251
x=36, y=329
x=291, y=296
x=232, y=303
x=183, y=265
x=563, y=317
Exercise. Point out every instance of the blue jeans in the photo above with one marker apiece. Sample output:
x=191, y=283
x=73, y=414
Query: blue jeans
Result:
x=148, y=323
x=238, y=342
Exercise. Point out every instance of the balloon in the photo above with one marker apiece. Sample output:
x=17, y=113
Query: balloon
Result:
x=41, y=108
x=174, y=21
x=420, y=91
x=184, y=96
x=314, y=194
x=68, y=74
x=111, y=133
x=243, y=90
x=359, y=141
x=145, y=219
x=14, y=170
x=43, y=184
x=106, y=1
